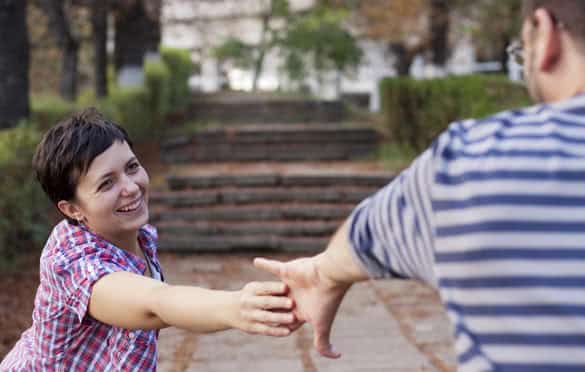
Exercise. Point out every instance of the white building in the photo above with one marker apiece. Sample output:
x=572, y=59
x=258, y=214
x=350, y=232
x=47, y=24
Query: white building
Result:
x=204, y=24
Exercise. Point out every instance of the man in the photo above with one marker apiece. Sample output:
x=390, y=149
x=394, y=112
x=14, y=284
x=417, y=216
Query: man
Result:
x=492, y=215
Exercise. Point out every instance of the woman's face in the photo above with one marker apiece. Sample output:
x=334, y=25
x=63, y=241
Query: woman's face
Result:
x=112, y=197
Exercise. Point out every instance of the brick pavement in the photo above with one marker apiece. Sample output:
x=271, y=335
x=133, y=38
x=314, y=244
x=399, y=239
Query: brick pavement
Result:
x=395, y=326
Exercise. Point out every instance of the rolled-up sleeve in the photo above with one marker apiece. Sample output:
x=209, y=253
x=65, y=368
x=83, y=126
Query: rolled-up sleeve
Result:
x=79, y=276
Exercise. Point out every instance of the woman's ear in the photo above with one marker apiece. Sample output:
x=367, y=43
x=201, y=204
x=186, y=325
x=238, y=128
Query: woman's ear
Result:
x=70, y=209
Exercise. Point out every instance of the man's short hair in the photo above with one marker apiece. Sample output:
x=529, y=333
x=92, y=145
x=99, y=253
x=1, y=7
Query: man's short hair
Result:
x=570, y=13
x=67, y=150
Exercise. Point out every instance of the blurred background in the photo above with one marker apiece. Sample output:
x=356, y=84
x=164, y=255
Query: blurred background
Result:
x=261, y=122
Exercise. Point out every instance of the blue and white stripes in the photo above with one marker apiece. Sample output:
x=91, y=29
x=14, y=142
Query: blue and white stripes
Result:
x=493, y=215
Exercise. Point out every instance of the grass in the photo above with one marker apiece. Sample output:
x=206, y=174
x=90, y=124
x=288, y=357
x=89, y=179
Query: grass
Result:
x=189, y=128
x=396, y=156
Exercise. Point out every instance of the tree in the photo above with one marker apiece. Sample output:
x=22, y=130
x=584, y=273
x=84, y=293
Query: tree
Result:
x=409, y=27
x=439, y=31
x=502, y=18
x=14, y=62
x=137, y=25
x=319, y=37
x=69, y=44
x=252, y=54
x=99, y=22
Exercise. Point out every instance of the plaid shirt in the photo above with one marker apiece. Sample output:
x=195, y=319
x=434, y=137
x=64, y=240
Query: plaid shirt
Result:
x=63, y=336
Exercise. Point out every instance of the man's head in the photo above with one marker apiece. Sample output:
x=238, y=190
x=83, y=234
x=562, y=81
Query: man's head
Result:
x=553, y=35
x=67, y=150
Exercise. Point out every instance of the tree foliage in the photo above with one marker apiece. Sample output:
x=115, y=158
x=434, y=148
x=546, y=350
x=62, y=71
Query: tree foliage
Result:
x=252, y=55
x=237, y=51
x=501, y=18
x=313, y=40
x=319, y=40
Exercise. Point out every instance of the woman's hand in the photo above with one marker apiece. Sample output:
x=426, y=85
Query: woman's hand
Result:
x=263, y=308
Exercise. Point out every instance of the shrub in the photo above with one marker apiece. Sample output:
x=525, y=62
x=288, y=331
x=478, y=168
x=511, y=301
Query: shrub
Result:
x=416, y=111
x=24, y=208
x=129, y=108
x=180, y=68
x=48, y=110
x=158, y=84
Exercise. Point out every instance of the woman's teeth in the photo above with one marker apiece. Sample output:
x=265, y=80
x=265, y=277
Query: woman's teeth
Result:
x=131, y=207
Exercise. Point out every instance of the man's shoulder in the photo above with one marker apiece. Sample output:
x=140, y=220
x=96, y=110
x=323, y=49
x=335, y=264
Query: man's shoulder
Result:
x=501, y=119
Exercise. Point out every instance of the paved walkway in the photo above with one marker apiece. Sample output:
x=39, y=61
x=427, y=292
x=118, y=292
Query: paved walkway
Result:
x=391, y=326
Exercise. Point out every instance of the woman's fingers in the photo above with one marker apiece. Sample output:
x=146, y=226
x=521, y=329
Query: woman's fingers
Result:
x=269, y=302
x=270, y=317
x=268, y=330
x=266, y=288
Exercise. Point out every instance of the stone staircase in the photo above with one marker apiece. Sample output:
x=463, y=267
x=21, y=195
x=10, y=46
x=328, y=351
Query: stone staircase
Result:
x=290, y=209
x=273, y=142
x=281, y=187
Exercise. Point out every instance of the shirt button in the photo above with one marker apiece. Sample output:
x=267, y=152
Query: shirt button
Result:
x=131, y=335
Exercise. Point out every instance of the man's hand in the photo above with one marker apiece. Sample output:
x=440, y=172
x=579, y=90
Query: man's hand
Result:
x=317, y=298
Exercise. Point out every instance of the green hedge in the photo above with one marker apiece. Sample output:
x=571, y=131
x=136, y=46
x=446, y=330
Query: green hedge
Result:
x=47, y=111
x=180, y=67
x=416, y=111
x=141, y=110
x=158, y=84
x=24, y=208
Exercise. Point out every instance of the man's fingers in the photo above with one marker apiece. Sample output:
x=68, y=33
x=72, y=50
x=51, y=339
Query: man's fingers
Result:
x=327, y=350
x=323, y=346
x=272, y=266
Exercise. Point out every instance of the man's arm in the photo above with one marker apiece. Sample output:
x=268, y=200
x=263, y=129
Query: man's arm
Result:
x=337, y=263
x=132, y=301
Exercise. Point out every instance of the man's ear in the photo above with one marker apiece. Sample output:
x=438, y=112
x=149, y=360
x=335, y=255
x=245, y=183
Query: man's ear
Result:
x=548, y=40
x=70, y=209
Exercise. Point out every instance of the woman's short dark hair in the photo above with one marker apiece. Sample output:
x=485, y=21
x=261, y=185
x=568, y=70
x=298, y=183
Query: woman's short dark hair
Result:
x=571, y=13
x=67, y=150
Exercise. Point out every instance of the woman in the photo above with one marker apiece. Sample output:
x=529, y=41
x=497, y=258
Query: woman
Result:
x=102, y=298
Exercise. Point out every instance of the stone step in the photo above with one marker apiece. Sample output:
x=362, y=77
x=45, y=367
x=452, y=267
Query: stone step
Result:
x=240, y=110
x=270, y=152
x=330, y=133
x=275, y=179
x=277, y=228
x=231, y=243
x=259, y=212
x=235, y=195
x=272, y=143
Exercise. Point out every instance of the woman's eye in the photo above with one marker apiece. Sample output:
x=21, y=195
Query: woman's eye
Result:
x=104, y=185
x=133, y=166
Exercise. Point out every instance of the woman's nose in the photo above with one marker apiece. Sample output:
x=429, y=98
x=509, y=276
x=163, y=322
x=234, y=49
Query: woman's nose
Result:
x=129, y=186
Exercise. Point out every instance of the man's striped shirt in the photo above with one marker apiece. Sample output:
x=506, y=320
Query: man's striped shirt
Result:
x=493, y=215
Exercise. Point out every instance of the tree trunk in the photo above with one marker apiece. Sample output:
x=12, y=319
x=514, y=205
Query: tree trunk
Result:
x=14, y=62
x=439, y=31
x=99, y=20
x=404, y=58
x=503, y=53
x=69, y=44
x=137, y=32
x=68, y=85
x=261, y=51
